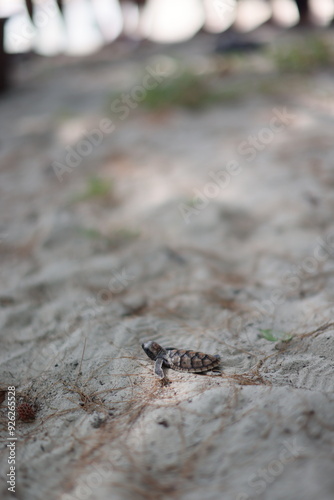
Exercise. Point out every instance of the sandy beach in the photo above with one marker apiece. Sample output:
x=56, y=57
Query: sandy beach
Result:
x=208, y=229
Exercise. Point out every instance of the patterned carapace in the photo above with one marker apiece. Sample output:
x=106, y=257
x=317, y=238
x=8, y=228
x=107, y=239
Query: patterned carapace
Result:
x=179, y=359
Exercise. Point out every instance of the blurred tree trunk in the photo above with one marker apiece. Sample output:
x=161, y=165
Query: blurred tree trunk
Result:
x=4, y=59
x=138, y=2
x=303, y=10
x=60, y=4
x=30, y=7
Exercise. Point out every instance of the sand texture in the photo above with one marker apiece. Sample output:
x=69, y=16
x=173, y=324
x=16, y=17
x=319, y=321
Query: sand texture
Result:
x=86, y=277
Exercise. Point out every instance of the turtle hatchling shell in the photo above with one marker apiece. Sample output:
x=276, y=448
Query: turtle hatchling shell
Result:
x=192, y=361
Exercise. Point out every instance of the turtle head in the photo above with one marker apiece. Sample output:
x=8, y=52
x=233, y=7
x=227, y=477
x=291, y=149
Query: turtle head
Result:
x=153, y=350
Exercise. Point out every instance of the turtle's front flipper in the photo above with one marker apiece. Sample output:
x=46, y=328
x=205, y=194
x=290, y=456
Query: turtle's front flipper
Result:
x=158, y=368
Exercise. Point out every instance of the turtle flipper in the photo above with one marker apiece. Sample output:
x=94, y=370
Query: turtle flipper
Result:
x=158, y=368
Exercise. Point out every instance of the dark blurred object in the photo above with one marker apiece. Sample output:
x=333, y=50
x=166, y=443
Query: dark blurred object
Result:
x=232, y=41
x=304, y=13
x=30, y=7
x=4, y=59
x=140, y=3
x=60, y=4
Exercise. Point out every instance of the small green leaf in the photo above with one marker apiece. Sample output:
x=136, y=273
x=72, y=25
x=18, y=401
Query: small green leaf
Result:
x=266, y=334
x=96, y=188
x=90, y=233
x=273, y=336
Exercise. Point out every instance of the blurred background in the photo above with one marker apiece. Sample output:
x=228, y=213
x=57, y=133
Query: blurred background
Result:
x=111, y=110
x=51, y=27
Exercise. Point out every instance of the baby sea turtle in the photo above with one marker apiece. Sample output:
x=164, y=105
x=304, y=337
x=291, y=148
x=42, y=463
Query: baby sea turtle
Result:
x=179, y=359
